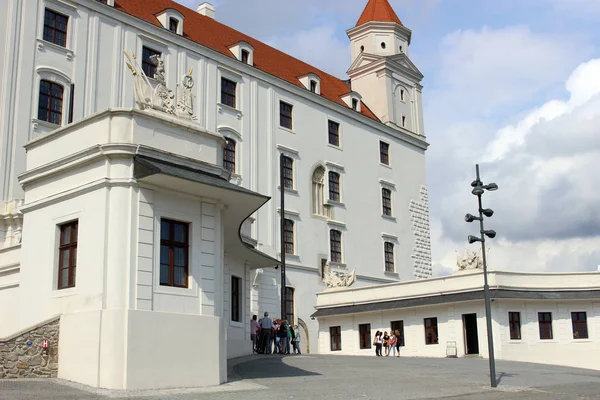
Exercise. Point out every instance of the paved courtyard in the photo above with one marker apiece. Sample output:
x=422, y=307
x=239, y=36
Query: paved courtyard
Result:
x=341, y=377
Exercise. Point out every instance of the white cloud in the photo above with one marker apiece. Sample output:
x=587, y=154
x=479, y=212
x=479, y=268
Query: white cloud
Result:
x=546, y=166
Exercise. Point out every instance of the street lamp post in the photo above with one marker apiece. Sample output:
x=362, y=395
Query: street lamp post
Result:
x=478, y=190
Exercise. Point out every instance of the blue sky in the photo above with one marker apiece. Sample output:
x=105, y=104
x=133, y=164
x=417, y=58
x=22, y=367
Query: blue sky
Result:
x=512, y=85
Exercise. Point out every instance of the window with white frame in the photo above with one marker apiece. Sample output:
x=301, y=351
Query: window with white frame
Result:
x=334, y=186
x=50, y=103
x=287, y=167
x=288, y=236
x=388, y=249
x=55, y=27
x=236, y=299
x=335, y=244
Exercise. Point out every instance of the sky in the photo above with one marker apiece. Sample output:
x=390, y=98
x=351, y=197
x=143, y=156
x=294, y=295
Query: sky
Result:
x=511, y=85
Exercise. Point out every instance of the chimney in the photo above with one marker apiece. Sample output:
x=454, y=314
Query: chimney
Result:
x=206, y=9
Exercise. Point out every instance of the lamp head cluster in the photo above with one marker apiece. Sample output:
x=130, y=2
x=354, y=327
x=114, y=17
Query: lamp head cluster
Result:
x=478, y=189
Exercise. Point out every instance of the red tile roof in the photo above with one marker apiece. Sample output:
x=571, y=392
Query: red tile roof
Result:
x=379, y=11
x=217, y=36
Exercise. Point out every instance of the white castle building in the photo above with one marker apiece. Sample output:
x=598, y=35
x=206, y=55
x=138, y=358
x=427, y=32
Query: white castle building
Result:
x=140, y=154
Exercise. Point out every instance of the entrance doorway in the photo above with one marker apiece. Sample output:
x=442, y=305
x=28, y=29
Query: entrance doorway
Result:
x=470, y=330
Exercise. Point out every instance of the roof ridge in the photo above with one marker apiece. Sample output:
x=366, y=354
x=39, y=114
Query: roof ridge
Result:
x=217, y=36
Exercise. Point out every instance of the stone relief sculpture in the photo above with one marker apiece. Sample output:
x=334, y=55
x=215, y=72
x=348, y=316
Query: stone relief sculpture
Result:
x=185, y=97
x=468, y=260
x=336, y=279
x=257, y=273
x=160, y=97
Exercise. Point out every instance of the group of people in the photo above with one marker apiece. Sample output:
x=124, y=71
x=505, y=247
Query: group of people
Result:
x=389, y=343
x=274, y=336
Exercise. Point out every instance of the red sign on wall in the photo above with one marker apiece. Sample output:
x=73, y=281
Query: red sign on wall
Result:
x=45, y=344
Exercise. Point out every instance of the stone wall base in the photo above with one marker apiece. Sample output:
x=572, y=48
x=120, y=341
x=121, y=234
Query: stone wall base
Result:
x=22, y=355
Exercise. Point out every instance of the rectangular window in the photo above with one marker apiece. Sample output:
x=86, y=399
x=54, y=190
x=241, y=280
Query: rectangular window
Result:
x=431, y=331
x=514, y=324
x=67, y=255
x=335, y=334
x=228, y=92
x=386, y=201
x=545, y=323
x=355, y=104
x=236, y=298
x=335, y=242
x=174, y=253
x=245, y=56
x=229, y=155
x=389, y=257
x=71, y=103
x=50, y=103
x=334, y=186
x=285, y=115
x=403, y=122
x=384, y=155
x=148, y=65
x=173, y=25
x=288, y=172
x=288, y=236
x=289, y=305
x=364, y=335
x=579, y=320
x=334, y=133
x=55, y=28
x=398, y=329
x=313, y=86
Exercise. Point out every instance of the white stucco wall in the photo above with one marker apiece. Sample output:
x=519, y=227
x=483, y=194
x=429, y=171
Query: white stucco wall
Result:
x=94, y=63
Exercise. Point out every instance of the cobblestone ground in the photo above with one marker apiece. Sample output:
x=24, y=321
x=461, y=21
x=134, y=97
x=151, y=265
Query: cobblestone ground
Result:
x=341, y=377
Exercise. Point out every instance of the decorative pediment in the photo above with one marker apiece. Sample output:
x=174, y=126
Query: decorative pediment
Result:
x=404, y=62
x=364, y=59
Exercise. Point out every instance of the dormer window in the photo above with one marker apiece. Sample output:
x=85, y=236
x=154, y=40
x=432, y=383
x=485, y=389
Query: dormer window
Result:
x=243, y=51
x=173, y=25
x=172, y=20
x=352, y=100
x=311, y=82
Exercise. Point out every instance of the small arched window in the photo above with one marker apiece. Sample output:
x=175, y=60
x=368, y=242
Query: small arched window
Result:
x=317, y=191
x=362, y=48
x=402, y=94
x=313, y=86
x=50, y=105
x=229, y=155
x=173, y=24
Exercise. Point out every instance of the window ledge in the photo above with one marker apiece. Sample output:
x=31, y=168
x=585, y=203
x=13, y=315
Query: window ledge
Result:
x=389, y=273
x=385, y=165
x=294, y=257
x=60, y=293
x=336, y=203
x=333, y=146
x=581, y=341
x=224, y=107
x=389, y=217
x=41, y=44
x=287, y=129
x=319, y=216
x=236, y=324
x=38, y=122
x=338, y=264
x=287, y=190
x=175, y=291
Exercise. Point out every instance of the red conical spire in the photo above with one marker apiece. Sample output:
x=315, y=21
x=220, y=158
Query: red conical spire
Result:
x=378, y=11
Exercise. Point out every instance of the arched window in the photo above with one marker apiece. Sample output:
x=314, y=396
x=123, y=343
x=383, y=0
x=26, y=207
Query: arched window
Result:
x=334, y=186
x=50, y=105
x=386, y=200
x=335, y=243
x=229, y=155
x=317, y=191
x=389, y=256
x=289, y=305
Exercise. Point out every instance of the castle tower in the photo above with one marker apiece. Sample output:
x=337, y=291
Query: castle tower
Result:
x=382, y=72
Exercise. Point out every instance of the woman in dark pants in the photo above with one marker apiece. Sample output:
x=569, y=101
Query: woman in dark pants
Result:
x=397, y=333
x=378, y=343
